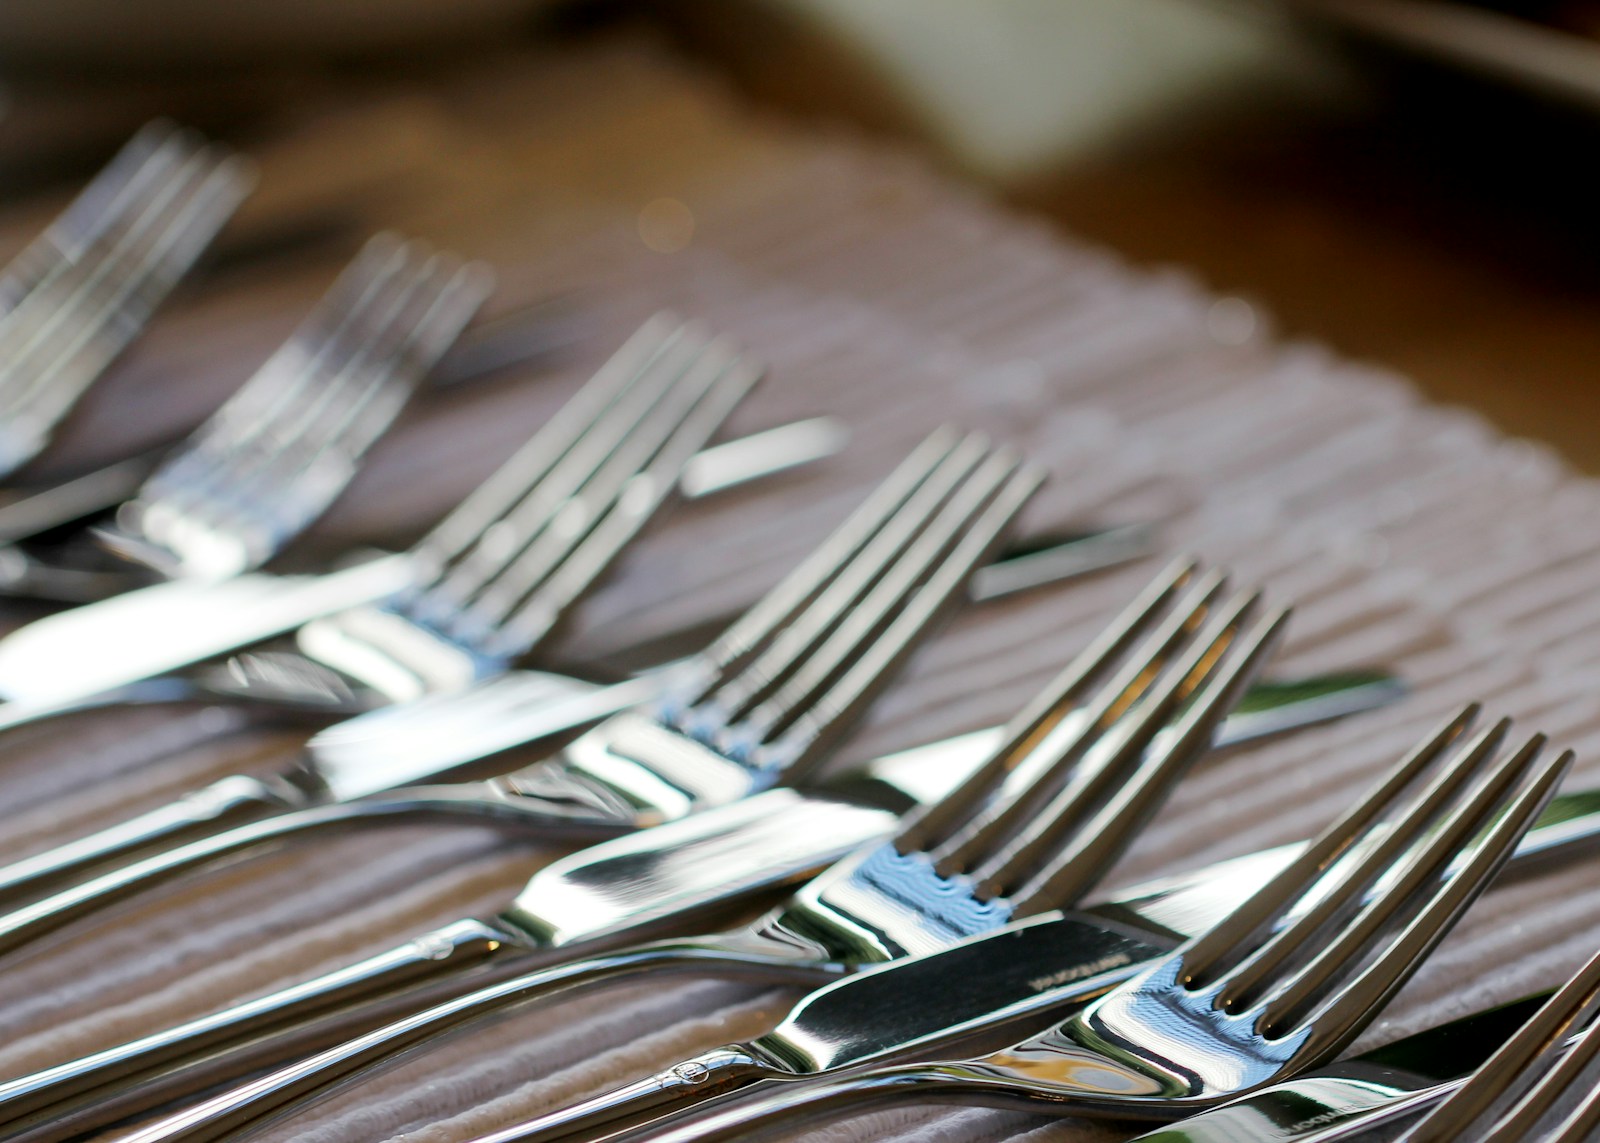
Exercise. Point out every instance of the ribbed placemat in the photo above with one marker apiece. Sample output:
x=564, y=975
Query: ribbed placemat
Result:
x=1406, y=535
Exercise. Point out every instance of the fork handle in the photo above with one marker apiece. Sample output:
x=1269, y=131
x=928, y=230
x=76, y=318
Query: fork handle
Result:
x=223, y=804
x=89, y=1093
x=250, y=1106
x=478, y=801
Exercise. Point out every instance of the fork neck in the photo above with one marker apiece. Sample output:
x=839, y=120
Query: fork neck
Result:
x=394, y=655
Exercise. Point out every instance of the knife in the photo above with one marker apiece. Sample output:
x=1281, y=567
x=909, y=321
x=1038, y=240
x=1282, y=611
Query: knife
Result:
x=786, y=833
x=127, y=648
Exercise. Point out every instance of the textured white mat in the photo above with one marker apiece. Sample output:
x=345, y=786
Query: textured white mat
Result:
x=1407, y=535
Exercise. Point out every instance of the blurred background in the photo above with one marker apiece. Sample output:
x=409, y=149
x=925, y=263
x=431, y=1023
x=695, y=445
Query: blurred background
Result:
x=1408, y=181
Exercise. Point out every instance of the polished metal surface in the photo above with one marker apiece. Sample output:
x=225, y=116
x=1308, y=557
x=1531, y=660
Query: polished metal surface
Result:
x=532, y=539
x=1103, y=723
x=1290, y=974
x=757, y=707
x=282, y=448
x=426, y=739
x=1523, y=1092
x=943, y=514
x=276, y=454
x=624, y=886
x=75, y=299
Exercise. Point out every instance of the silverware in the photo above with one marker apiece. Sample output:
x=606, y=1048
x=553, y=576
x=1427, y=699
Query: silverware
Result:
x=33, y=516
x=281, y=449
x=1085, y=749
x=1479, y=1108
x=428, y=738
x=781, y=683
x=81, y=293
x=1287, y=978
x=99, y=207
x=487, y=584
x=814, y=828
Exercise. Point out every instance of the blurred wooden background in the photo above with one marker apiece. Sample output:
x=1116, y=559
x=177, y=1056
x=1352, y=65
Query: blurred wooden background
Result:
x=1395, y=209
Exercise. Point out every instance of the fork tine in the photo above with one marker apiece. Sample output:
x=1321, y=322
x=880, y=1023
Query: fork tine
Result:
x=1204, y=957
x=810, y=723
x=262, y=506
x=345, y=373
x=1044, y=712
x=1071, y=855
x=457, y=290
x=560, y=434
x=560, y=508
x=548, y=592
x=846, y=594
x=292, y=368
x=1337, y=1018
x=678, y=413
x=1580, y=1122
x=1535, y=1045
x=117, y=298
x=817, y=646
x=1058, y=759
x=55, y=303
x=97, y=211
x=1391, y=848
x=606, y=451
x=275, y=393
x=752, y=632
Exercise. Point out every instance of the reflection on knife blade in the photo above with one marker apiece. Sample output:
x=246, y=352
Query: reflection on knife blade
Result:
x=86, y=655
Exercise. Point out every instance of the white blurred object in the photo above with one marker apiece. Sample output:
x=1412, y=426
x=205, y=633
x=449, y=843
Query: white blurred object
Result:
x=1011, y=88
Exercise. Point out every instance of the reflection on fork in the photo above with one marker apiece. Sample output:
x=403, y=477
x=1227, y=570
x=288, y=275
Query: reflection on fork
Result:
x=75, y=298
x=616, y=890
x=281, y=449
x=494, y=577
x=277, y=454
x=769, y=698
x=1091, y=749
x=1522, y=1093
x=1288, y=978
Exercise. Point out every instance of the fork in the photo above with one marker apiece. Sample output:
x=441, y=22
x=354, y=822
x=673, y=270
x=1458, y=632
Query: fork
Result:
x=1283, y=982
x=282, y=448
x=98, y=207
x=1482, y=1108
x=421, y=740
x=799, y=665
x=276, y=454
x=79, y=312
x=495, y=577
x=779, y=835
x=758, y=707
x=1089, y=753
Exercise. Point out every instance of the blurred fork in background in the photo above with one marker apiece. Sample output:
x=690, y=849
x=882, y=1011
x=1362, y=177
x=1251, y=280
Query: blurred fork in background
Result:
x=76, y=297
x=282, y=448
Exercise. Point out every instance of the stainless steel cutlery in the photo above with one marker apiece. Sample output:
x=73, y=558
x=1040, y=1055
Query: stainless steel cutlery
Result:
x=780, y=834
x=74, y=299
x=1092, y=755
x=1290, y=975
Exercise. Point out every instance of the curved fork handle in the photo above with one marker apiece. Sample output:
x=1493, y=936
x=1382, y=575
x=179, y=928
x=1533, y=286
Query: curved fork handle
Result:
x=223, y=804
x=251, y=1106
x=480, y=801
x=90, y=1093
